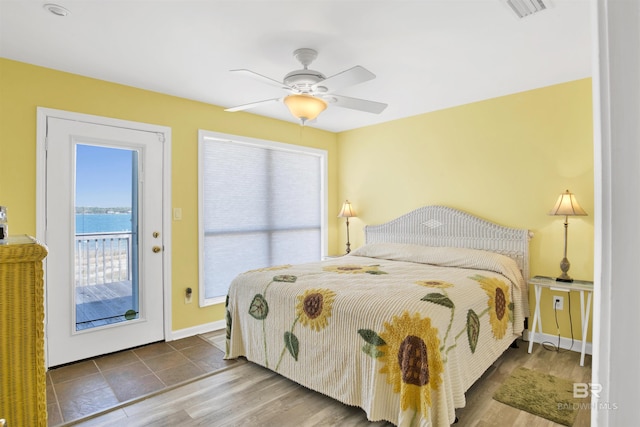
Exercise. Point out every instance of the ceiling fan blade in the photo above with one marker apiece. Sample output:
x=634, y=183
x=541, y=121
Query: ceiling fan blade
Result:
x=251, y=105
x=350, y=77
x=260, y=77
x=356, y=104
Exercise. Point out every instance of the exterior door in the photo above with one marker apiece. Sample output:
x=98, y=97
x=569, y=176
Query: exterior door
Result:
x=104, y=231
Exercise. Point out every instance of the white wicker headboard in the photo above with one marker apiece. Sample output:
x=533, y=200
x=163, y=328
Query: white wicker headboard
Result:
x=444, y=226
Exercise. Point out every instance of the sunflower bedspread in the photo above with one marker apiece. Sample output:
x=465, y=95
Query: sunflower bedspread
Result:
x=401, y=331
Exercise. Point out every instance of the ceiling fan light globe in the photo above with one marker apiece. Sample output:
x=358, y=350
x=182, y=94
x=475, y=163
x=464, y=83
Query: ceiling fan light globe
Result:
x=305, y=107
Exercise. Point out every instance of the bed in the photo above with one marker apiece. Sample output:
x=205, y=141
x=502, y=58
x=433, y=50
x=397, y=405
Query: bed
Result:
x=400, y=327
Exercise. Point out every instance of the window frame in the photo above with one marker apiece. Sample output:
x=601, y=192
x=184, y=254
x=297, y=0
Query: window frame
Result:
x=203, y=137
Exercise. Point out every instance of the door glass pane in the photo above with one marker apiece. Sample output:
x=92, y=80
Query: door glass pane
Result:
x=106, y=224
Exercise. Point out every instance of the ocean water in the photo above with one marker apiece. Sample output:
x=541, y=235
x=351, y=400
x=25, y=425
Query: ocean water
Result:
x=99, y=223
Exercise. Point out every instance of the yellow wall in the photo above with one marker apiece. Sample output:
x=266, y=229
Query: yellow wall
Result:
x=24, y=87
x=505, y=159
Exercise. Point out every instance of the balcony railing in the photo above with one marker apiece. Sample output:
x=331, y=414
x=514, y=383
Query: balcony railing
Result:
x=102, y=258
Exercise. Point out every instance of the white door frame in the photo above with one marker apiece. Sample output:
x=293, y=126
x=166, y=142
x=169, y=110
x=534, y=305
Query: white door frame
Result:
x=41, y=176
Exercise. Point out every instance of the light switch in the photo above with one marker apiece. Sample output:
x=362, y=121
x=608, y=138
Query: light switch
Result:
x=177, y=214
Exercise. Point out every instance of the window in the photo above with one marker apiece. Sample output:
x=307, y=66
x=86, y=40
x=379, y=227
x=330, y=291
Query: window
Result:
x=261, y=204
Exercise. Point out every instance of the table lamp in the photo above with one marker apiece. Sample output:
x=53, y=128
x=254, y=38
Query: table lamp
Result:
x=347, y=212
x=566, y=206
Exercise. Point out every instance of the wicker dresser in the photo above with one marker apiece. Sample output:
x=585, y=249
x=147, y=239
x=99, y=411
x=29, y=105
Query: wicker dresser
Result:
x=23, y=400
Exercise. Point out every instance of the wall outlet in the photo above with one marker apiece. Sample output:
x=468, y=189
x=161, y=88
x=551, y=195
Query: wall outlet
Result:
x=558, y=302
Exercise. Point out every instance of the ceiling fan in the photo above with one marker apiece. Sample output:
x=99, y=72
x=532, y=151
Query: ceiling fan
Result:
x=309, y=91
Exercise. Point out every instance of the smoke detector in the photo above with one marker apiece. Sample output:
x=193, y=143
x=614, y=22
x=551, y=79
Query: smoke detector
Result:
x=524, y=8
x=56, y=9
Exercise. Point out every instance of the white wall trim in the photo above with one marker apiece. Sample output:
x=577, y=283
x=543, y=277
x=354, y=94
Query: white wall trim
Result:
x=565, y=343
x=198, y=329
x=602, y=201
x=616, y=89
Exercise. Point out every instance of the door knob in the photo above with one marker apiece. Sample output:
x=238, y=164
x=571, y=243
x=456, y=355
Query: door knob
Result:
x=156, y=249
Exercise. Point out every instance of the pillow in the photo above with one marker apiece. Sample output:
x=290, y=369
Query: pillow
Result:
x=446, y=257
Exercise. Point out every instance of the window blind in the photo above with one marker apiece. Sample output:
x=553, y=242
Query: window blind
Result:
x=261, y=207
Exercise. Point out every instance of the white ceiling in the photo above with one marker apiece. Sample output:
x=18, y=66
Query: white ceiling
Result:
x=427, y=54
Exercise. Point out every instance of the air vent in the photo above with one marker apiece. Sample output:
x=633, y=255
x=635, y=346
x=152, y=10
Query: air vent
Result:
x=524, y=8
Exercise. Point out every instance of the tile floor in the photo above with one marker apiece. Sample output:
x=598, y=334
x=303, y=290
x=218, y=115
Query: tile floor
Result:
x=87, y=387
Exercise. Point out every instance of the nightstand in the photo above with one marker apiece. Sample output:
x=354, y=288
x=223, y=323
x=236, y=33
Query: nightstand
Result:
x=581, y=286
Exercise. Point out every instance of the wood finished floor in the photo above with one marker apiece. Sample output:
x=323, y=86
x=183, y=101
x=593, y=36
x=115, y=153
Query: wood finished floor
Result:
x=249, y=395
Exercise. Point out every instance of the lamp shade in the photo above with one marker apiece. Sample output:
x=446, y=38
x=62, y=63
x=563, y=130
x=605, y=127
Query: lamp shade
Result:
x=567, y=205
x=305, y=107
x=347, y=211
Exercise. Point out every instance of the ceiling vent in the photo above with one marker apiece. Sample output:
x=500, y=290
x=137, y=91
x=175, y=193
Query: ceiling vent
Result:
x=524, y=8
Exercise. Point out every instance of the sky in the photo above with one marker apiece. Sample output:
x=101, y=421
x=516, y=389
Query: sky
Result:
x=103, y=177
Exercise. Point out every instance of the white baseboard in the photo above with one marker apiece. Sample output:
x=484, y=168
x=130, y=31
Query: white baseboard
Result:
x=200, y=329
x=565, y=343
